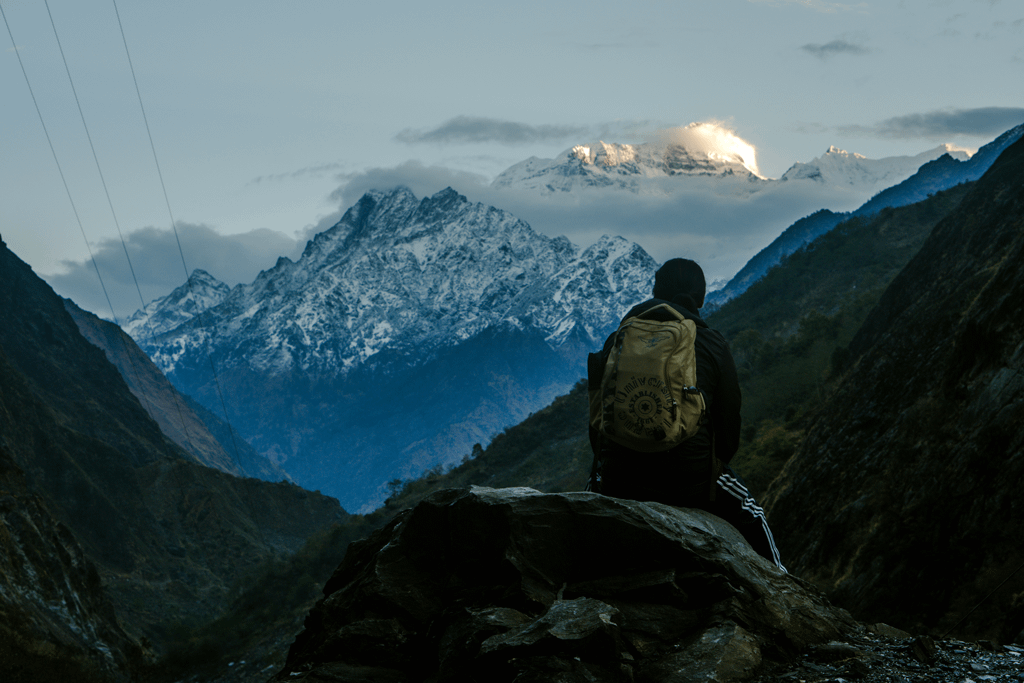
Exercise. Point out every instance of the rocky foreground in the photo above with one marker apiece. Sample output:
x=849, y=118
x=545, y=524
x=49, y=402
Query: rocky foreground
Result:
x=515, y=585
x=881, y=654
x=512, y=584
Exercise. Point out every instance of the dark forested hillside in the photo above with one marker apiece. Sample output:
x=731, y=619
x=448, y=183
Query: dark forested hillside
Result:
x=790, y=330
x=165, y=535
x=903, y=501
x=42, y=566
x=185, y=423
x=859, y=256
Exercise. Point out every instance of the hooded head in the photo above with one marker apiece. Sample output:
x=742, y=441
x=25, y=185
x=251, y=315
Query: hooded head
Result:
x=682, y=281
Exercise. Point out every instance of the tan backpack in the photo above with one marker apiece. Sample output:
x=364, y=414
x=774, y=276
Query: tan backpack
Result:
x=648, y=398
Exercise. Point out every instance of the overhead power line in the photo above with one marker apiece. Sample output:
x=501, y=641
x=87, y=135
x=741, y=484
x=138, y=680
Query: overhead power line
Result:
x=110, y=203
x=60, y=170
x=181, y=252
x=74, y=209
x=96, y=158
x=117, y=224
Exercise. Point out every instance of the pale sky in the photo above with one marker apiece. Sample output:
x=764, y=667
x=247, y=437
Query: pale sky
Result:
x=269, y=117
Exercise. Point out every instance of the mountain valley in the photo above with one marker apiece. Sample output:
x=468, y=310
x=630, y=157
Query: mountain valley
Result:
x=803, y=317
x=880, y=364
x=105, y=520
x=447, y=319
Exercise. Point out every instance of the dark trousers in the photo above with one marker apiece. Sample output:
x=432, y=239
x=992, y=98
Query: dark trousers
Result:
x=685, y=482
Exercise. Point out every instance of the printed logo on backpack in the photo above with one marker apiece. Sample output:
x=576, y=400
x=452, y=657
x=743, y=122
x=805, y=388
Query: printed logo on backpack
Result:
x=648, y=399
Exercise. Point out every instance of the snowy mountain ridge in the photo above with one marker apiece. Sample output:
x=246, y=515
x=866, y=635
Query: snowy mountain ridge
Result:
x=668, y=167
x=638, y=168
x=403, y=335
x=941, y=173
x=839, y=167
x=406, y=276
x=168, y=312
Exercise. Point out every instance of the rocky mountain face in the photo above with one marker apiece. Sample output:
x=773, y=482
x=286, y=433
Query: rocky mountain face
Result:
x=398, y=274
x=933, y=174
x=902, y=501
x=166, y=535
x=512, y=584
x=403, y=335
x=178, y=418
x=56, y=621
x=200, y=292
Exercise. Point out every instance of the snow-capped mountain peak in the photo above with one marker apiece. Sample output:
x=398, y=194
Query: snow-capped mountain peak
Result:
x=602, y=164
x=705, y=156
x=843, y=153
x=201, y=292
x=603, y=154
x=840, y=168
x=410, y=276
x=407, y=332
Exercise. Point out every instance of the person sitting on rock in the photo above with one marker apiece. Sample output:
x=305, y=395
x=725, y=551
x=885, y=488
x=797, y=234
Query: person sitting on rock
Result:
x=682, y=476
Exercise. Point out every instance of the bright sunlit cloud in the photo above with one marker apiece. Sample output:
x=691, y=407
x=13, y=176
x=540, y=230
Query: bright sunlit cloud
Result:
x=715, y=139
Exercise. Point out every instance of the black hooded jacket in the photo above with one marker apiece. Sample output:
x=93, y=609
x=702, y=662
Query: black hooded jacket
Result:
x=716, y=378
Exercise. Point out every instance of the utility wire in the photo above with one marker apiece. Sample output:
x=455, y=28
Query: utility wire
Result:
x=173, y=469
x=49, y=141
x=188, y=279
x=181, y=252
x=71, y=200
x=99, y=170
x=124, y=246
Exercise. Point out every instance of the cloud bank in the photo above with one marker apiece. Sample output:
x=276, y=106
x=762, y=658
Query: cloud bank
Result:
x=475, y=129
x=836, y=47
x=463, y=130
x=721, y=231
x=943, y=123
x=315, y=171
x=158, y=264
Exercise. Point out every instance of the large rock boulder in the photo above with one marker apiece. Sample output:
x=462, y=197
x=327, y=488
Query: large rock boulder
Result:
x=512, y=584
